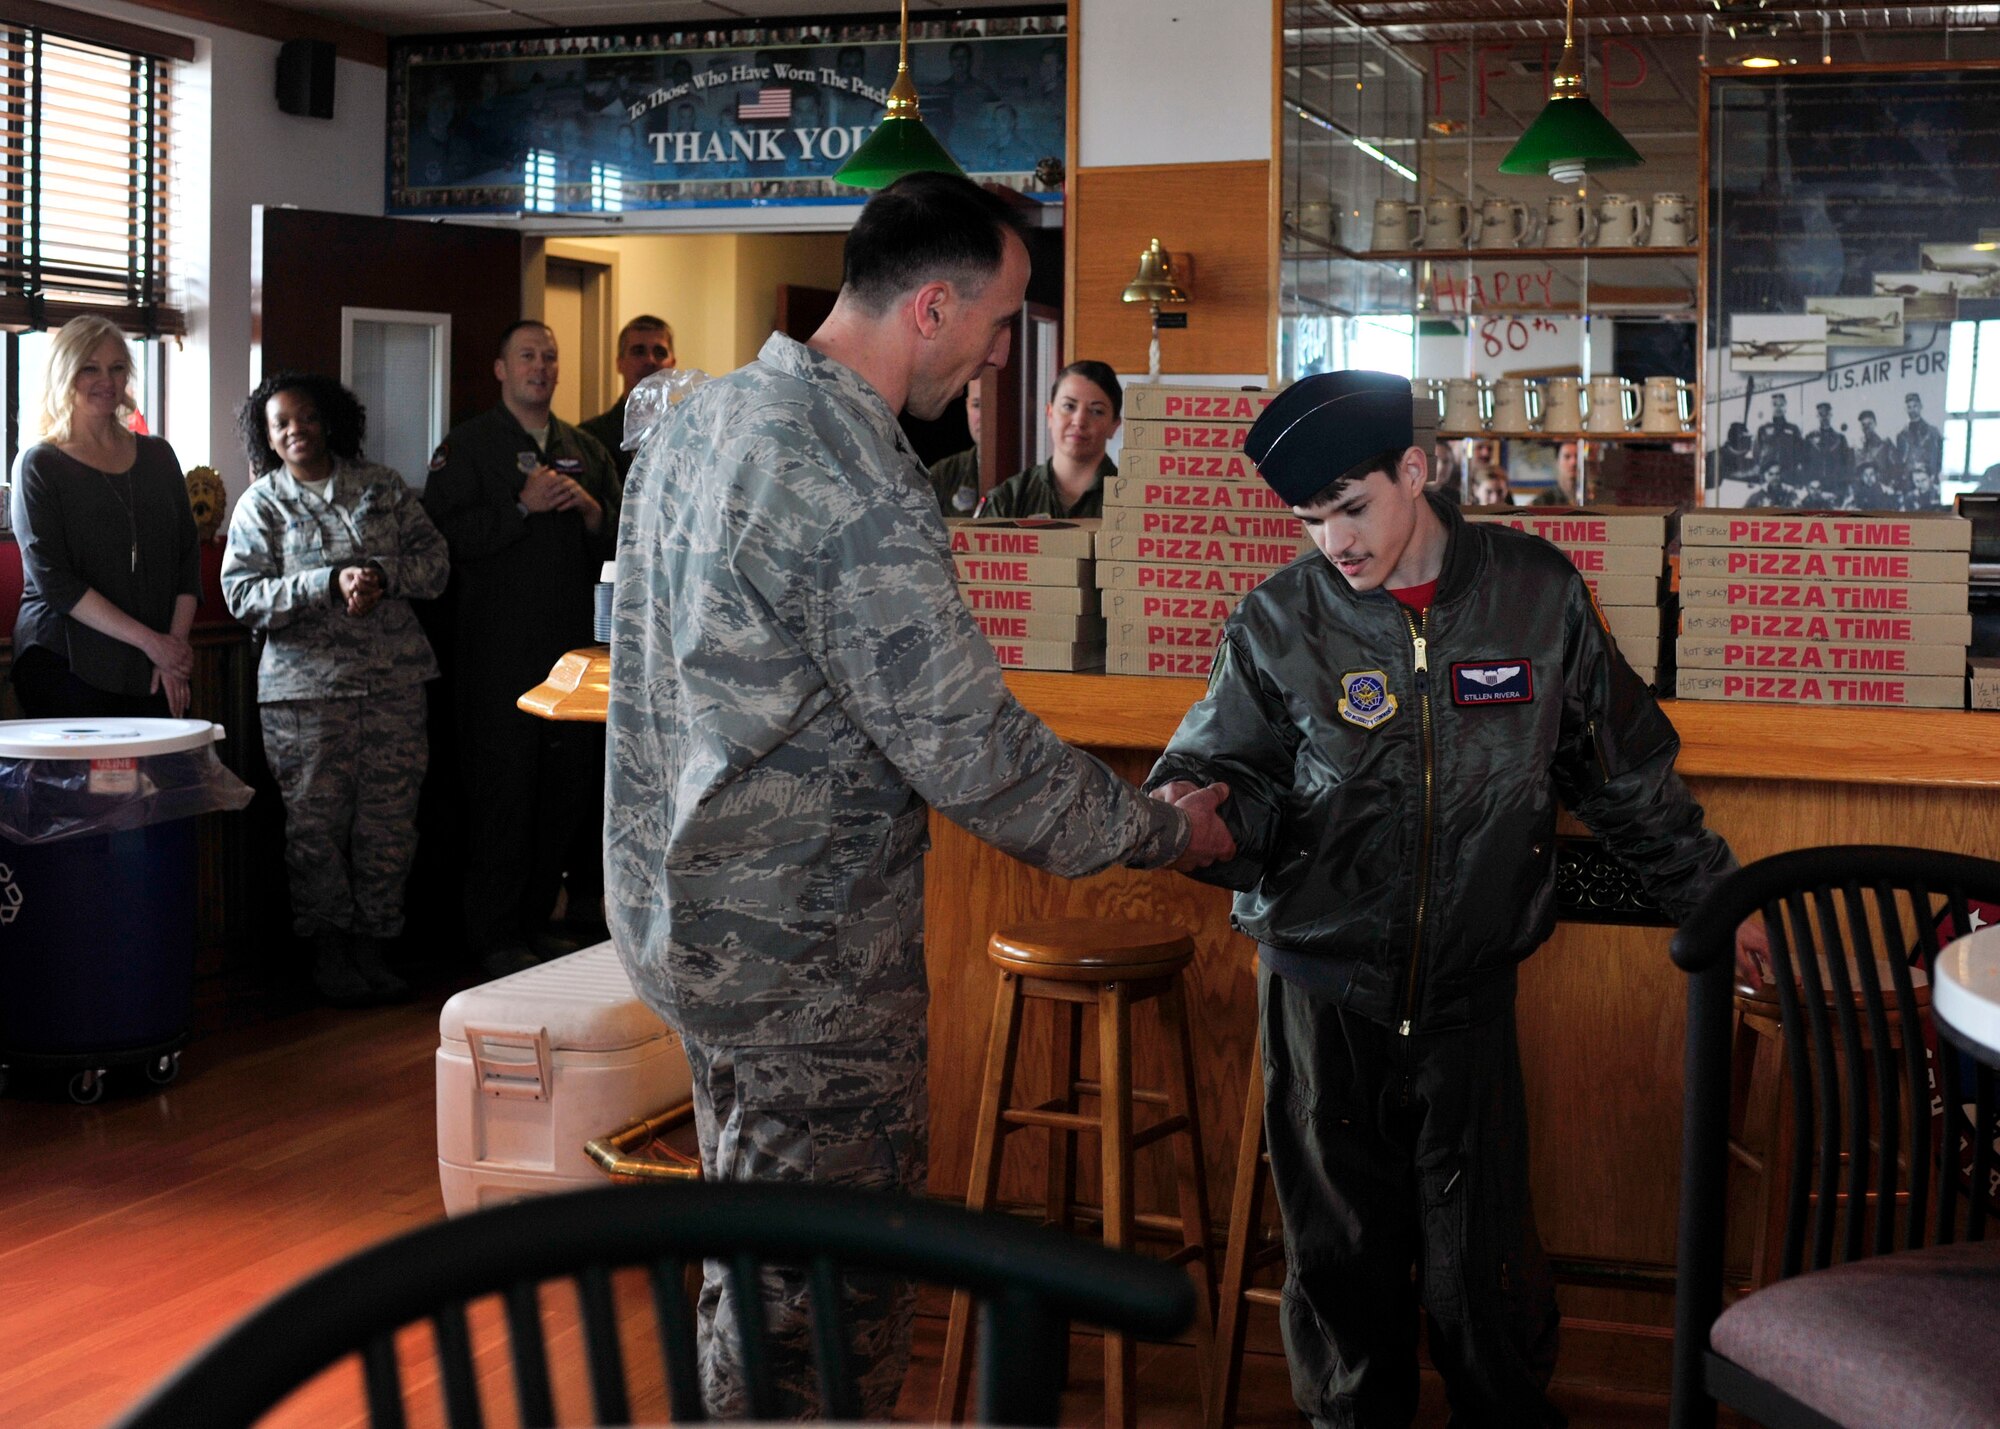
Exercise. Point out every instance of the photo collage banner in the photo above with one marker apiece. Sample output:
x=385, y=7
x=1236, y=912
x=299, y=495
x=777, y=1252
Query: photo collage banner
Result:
x=664, y=119
x=1852, y=224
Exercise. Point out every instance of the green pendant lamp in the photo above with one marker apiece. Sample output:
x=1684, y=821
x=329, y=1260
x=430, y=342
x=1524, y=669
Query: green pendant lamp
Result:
x=900, y=144
x=1570, y=136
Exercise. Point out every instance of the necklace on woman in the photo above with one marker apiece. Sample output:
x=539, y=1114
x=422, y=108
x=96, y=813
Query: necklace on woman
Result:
x=131, y=517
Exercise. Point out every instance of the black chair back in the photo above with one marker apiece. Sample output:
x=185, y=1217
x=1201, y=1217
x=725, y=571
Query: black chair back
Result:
x=1029, y=1284
x=1850, y=927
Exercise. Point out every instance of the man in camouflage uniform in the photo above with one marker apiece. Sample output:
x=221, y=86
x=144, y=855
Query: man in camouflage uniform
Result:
x=529, y=506
x=794, y=684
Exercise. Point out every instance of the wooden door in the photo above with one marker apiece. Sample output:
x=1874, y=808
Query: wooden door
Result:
x=308, y=265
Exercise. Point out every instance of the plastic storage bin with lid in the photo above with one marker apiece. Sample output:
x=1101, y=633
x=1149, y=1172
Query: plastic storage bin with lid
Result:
x=97, y=890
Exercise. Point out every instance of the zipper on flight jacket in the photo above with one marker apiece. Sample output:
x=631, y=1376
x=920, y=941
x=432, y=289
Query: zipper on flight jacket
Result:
x=1419, y=633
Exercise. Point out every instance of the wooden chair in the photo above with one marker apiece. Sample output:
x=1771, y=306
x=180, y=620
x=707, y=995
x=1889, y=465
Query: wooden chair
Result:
x=1029, y=1284
x=1880, y=1310
x=1112, y=965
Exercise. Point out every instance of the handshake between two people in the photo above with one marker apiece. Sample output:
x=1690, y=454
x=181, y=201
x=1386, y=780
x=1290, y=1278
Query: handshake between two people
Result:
x=1209, y=839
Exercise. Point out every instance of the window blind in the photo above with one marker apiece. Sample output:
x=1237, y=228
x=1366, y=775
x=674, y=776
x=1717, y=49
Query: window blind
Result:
x=85, y=169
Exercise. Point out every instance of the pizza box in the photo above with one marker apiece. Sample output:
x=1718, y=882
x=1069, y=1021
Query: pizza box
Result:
x=1570, y=526
x=1855, y=597
x=1010, y=625
x=1867, y=627
x=1906, y=691
x=1164, y=634
x=1814, y=657
x=1175, y=606
x=1009, y=537
x=1872, y=530
x=1023, y=570
x=1048, y=654
x=1192, y=579
x=1196, y=436
x=1202, y=550
x=1204, y=404
x=1191, y=493
x=1028, y=599
x=1819, y=564
x=1263, y=525
x=1145, y=660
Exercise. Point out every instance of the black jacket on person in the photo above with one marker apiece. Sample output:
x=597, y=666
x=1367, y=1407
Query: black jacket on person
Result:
x=1407, y=860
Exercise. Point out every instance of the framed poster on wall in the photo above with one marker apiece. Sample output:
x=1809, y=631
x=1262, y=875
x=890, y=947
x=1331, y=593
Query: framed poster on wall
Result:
x=656, y=118
x=1853, y=285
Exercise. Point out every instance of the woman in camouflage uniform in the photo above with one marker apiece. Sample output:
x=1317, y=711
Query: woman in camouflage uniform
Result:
x=326, y=552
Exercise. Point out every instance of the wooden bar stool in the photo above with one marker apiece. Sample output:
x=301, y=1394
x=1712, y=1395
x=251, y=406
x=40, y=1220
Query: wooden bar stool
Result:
x=1074, y=963
x=1246, y=1251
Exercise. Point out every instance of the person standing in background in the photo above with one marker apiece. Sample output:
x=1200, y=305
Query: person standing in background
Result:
x=645, y=345
x=955, y=478
x=326, y=552
x=529, y=508
x=1563, y=493
x=110, y=563
x=1086, y=408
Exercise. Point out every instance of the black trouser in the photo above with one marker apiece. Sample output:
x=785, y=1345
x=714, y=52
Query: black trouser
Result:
x=48, y=689
x=534, y=804
x=1401, y=1167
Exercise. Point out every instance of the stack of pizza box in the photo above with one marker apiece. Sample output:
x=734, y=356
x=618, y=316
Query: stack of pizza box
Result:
x=1825, y=607
x=1189, y=527
x=1028, y=584
x=1622, y=553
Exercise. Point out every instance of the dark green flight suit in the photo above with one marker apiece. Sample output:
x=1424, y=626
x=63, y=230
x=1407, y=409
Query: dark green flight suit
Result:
x=523, y=595
x=609, y=428
x=1033, y=493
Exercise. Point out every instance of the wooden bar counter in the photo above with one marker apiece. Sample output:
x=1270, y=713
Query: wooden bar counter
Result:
x=1601, y=1006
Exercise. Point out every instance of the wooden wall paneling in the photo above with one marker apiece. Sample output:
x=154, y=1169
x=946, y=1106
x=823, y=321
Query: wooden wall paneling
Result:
x=1218, y=213
x=1072, y=150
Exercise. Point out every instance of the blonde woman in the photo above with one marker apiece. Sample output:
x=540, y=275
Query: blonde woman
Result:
x=109, y=556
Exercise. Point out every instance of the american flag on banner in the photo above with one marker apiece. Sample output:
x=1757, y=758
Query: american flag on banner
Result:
x=773, y=103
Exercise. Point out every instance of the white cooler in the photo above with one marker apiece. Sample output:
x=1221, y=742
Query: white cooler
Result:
x=532, y=1065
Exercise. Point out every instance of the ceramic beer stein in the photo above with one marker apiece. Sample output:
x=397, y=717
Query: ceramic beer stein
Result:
x=1397, y=224
x=1621, y=221
x=1672, y=222
x=1430, y=401
x=1462, y=405
x=1517, y=405
x=1447, y=224
x=1614, y=405
x=1668, y=407
x=1562, y=409
x=1503, y=223
x=1568, y=222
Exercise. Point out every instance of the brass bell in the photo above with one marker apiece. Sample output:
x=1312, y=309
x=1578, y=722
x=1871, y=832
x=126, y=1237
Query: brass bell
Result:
x=1155, y=283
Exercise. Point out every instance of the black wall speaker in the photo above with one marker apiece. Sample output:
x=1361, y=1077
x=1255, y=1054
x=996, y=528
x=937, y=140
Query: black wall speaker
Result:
x=305, y=78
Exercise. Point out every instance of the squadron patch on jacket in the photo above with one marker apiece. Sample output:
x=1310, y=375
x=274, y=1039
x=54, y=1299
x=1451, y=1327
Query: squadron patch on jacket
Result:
x=1365, y=699
x=1492, y=682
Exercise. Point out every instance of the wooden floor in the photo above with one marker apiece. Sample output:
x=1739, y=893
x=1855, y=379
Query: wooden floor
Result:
x=132, y=1231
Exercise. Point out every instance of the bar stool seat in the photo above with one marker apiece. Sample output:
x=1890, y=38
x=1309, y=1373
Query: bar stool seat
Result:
x=1073, y=963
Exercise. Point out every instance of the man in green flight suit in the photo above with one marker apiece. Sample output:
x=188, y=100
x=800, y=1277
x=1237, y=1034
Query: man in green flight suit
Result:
x=529, y=508
x=645, y=346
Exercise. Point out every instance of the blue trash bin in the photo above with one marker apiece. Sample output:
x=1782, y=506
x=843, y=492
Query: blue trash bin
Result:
x=98, y=890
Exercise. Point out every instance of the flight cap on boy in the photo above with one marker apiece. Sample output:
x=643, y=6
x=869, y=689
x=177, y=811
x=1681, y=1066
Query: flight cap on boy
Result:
x=1322, y=427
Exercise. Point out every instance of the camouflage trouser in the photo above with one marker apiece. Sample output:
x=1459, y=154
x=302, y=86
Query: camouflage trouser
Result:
x=841, y=1115
x=349, y=771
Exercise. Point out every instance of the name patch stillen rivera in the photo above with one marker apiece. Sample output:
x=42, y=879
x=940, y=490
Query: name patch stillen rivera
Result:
x=1492, y=682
